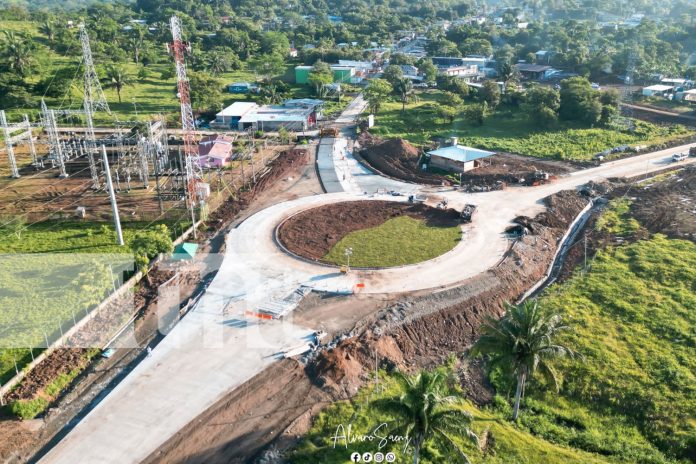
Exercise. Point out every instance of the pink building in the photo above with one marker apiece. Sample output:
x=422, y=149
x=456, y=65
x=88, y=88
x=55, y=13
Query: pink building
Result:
x=215, y=151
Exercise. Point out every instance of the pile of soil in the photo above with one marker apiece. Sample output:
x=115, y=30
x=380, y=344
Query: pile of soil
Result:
x=397, y=158
x=313, y=233
x=510, y=168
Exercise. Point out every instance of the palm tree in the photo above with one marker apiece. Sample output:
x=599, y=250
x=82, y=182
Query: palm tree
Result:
x=136, y=46
x=523, y=341
x=48, y=28
x=17, y=52
x=216, y=62
x=117, y=78
x=424, y=411
x=404, y=89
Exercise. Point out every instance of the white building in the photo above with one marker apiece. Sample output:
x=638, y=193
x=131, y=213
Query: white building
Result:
x=657, y=90
x=458, y=158
x=230, y=116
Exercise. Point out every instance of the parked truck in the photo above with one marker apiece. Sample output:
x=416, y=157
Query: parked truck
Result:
x=677, y=157
x=692, y=151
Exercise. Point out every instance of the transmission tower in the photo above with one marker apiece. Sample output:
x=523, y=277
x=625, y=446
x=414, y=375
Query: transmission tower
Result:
x=178, y=48
x=624, y=117
x=93, y=91
x=94, y=100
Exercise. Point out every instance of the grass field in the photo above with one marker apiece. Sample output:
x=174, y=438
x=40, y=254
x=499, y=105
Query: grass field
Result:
x=55, y=270
x=146, y=97
x=511, y=444
x=510, y=131
x=397, y=242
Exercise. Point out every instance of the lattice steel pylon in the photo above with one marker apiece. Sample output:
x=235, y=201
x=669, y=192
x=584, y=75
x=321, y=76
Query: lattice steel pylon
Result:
x=93, y=90
x=178, y=49
x=94, y=100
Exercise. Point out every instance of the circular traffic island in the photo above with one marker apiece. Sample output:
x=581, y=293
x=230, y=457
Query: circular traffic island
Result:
x=378, y=234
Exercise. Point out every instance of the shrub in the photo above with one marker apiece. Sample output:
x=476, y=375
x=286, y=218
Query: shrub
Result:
x=28, y=409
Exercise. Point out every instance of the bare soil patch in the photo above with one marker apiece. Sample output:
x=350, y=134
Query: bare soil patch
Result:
x=668, y=207
x=313, y=233
x=398, y=158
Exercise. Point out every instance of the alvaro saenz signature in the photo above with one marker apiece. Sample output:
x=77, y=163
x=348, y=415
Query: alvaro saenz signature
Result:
x=344, y=436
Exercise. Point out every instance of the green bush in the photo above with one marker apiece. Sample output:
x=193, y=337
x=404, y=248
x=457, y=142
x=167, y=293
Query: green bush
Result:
x=28, y=409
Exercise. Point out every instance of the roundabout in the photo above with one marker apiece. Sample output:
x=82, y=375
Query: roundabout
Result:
x=374, y=234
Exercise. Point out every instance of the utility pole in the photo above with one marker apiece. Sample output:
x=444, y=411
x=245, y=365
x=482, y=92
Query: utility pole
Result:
x=585, y=245
x=112, y=197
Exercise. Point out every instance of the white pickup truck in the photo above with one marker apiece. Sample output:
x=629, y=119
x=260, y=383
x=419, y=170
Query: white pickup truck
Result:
x=679, y=157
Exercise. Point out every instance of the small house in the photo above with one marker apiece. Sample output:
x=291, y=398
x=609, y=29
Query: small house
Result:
x=534, y=72
x=657, y=90
x=215, y=151
x=458, y=158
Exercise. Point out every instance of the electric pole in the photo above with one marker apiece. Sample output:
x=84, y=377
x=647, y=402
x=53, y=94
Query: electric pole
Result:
x=112, y=197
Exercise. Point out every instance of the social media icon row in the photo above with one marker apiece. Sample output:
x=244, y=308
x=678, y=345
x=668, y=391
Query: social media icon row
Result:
x=369, y=457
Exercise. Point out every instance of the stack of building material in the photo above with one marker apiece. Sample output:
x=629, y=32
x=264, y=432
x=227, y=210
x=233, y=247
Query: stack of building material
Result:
x=279, y=308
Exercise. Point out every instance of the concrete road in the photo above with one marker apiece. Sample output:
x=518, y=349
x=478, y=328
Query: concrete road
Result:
x=215, y=348
x=211, y=351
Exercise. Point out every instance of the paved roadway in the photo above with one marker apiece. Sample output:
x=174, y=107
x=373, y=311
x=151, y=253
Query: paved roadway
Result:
x=214, y=349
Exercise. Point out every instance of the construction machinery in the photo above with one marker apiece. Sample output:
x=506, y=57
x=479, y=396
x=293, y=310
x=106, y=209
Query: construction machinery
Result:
x=468, y=212
x=328, y=132
x=540, y=178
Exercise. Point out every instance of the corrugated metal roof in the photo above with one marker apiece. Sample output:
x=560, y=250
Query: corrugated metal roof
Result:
x=237, y=109
x=461, y=153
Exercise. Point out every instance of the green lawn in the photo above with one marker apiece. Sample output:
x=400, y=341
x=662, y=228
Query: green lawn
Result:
x=397, y=242
x=509, y=130
x=55, y=270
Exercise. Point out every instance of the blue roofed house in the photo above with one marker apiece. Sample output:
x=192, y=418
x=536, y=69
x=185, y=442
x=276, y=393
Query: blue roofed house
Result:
x=458, y=158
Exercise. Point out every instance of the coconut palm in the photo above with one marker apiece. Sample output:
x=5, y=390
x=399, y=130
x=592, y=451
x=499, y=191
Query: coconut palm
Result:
x=426, y=412
x=404, y=90
x=17, y=52
x=117, y=78
x=522, y=341
x=48, y=28
x=216, y=62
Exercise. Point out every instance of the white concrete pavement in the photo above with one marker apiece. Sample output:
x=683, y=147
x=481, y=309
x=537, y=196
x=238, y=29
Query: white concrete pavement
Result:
x=214, y=348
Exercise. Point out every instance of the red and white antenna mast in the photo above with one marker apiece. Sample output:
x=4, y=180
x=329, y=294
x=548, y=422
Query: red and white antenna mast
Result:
x=178, y=48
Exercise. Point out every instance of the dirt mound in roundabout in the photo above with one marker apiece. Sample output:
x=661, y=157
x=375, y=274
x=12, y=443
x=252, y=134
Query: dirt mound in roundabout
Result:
x=396, y=158
x=313, y=233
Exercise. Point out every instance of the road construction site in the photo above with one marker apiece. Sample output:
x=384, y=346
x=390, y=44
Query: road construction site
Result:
x=234, y=334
